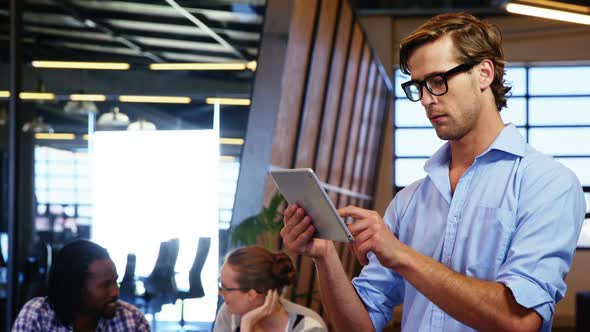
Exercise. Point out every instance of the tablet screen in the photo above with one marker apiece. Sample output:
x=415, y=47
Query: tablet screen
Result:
x=301, y=186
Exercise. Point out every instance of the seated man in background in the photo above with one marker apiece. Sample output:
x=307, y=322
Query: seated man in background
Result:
x=83, y=295
x=250, y=282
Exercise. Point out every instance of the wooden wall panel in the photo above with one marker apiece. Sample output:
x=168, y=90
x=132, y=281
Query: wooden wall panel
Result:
x=332, y=106
x=360, y=153
x=332, y=102
x=316, y=85
x=347, y=257
x=347, y=101
x=355, y=126
x=342, y=135
x=294, y=82
x=312, y=116
x=369, y=169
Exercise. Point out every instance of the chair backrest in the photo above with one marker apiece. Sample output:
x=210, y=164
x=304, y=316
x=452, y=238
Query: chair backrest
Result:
x=173, y=249
x=163, y=254
x=36, y=272
x=2, y=261
x=161, y=283
x=196, y=285
x=127, y=287
x=3, y=253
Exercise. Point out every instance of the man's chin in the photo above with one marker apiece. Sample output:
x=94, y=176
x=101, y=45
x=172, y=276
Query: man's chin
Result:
x=110, y=310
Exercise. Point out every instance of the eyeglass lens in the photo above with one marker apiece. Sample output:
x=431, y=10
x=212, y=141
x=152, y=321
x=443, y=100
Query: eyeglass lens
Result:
x=436, y=85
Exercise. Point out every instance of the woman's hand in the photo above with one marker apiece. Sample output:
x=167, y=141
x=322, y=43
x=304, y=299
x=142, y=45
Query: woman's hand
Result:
x=270, y=306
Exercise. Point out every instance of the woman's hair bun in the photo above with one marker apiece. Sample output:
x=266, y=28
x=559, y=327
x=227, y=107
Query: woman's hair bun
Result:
x=283, y=269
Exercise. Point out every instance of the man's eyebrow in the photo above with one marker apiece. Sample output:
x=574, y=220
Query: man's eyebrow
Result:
x=436, y=72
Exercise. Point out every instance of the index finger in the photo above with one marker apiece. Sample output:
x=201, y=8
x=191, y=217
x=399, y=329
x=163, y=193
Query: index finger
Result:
x=354, y=211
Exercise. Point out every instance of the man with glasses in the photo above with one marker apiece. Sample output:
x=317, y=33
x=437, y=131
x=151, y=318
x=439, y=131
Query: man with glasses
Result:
x=484, y=241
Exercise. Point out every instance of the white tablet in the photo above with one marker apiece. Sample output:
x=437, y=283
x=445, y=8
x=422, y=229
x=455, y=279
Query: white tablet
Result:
x=302, y=186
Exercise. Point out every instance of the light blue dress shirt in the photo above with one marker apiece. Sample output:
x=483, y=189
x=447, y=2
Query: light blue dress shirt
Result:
x=514, y=218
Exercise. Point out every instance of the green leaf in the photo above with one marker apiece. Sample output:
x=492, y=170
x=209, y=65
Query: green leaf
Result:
x=246, y=232
x=267, y=221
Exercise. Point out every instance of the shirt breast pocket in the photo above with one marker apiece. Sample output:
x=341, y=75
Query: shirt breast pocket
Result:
x=486, y=241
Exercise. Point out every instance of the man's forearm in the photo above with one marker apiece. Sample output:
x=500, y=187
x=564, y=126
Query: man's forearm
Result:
x=345, y=309
x=483, y=305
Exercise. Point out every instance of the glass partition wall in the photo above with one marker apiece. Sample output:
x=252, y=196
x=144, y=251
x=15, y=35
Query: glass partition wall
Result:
x=137, y=156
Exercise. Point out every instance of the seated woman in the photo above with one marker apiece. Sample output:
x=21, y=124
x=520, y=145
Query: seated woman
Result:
x=250, y=282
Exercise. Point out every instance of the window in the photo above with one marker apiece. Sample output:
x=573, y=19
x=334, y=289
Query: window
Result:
x=549, y=104
x=62, y=187
x=62, y=191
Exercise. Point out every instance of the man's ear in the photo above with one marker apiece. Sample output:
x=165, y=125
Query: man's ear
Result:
x=486, y=74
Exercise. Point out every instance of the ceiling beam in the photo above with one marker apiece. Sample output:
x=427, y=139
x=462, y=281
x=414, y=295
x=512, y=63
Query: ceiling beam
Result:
x=86, y=33
x=69, y=7
x=199, y=22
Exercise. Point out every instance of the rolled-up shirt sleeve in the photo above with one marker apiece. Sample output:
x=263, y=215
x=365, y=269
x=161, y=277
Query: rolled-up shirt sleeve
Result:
x=550, y=215
x=380, y=288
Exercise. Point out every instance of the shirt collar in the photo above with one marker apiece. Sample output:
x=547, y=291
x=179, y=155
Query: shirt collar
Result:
x=508, y=140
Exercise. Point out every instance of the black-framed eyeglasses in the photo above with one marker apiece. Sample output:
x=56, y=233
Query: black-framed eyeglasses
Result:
x=435, y=83
x=222, y=288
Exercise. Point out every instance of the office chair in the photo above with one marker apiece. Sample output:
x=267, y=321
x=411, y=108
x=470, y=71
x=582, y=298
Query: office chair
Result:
x=2, y=260
x=194, y=276
x=127, y=289
x=36, y=272
x=160, y=285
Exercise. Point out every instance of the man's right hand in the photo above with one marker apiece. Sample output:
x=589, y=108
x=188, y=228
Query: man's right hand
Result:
x=297, y=233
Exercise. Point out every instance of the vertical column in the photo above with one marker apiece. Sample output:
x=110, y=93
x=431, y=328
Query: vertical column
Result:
x=14, y=124
x=262, y=118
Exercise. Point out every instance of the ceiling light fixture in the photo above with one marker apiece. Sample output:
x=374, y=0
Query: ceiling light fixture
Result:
x=252, y=65
x=82, y=107
x=87, y=97
x=4, y=94
x=141, y=125
x=81, y=65
x=155, y=99
x=231, y=141
x=36, y=96
x=37, y=126
x=113, y=118
x=55, y=136
x=204, y=66
x=551, y=9
x=228, y=101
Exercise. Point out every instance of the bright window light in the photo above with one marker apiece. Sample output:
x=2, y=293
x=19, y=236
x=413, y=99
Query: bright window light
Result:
x=153, y=186
x=549, y=13
x=584, y=240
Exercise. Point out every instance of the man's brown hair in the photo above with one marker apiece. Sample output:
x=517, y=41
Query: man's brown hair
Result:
x=474, y=40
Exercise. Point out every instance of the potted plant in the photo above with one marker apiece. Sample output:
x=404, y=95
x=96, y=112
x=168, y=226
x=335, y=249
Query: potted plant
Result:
x=261, y=228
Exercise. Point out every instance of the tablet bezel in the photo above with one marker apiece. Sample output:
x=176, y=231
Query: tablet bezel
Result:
x=302, y=186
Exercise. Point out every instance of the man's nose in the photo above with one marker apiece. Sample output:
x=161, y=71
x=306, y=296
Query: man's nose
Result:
x=114, y=291
x=427, y=97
